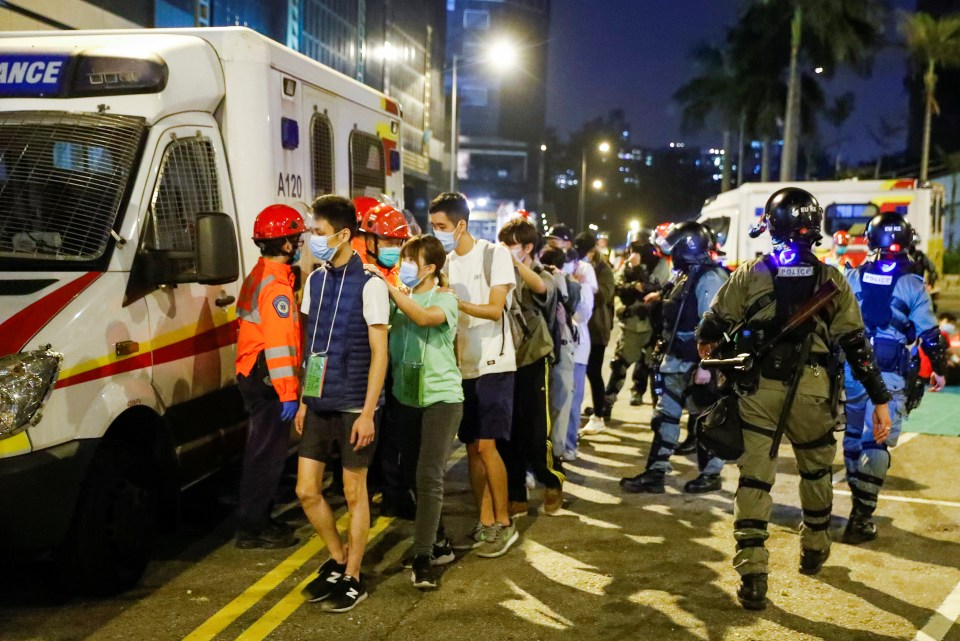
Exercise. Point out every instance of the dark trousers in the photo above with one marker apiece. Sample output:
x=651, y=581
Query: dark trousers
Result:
x=641, y=376
x=268, y=439
x=595, y=376
x=530, y=445
x=386, y=473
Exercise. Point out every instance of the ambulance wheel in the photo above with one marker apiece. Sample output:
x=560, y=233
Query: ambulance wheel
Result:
x=114, y=524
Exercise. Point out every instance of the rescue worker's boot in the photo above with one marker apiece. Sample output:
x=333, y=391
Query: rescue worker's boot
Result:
x=703, y=484
x=650, y=481
x=860, y=529
x=752, y=592
x=811, y=561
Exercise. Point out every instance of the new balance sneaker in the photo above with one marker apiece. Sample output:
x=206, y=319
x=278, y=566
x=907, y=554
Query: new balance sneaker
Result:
x=595, y=425
x=348, y=593
x=328, y=576
x=474, y=538
x=499, y=539
x=424, y=575
x=442, y=555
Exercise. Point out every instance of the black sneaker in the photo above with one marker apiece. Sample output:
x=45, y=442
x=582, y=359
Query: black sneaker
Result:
x=636, y=399
x=328, y=576
x=650, y=482
x=347, y=594
x=424, y=575
x=442, y=554
x=703, y=483
x=270, y=538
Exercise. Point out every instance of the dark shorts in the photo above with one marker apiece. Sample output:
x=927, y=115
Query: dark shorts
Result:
x=327, y=433
x=487, y=408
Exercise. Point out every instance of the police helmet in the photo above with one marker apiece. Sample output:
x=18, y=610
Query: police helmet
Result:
x=791, y=215
x=889, y=233
x=686, y=243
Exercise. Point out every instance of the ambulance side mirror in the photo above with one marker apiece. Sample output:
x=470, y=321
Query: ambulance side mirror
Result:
x=216, y=249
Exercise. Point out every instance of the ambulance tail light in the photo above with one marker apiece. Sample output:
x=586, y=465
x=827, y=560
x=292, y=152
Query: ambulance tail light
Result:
x=26, y=380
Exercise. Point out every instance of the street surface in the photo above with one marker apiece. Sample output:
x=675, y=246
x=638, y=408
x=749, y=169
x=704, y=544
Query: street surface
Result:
x=612, y=566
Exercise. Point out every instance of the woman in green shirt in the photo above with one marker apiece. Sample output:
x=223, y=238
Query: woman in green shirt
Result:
x=427, y=384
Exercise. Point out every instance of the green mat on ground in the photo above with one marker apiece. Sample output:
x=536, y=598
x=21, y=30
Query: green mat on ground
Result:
x=938, y=414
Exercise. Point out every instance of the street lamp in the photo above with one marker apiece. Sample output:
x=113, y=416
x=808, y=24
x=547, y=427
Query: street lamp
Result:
x=502, y=56
x=597, y=184
x=543, y=159
x=603, y=148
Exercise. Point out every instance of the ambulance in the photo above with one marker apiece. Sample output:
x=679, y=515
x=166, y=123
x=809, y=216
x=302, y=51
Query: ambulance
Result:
x=848, y=205
x=132, y=166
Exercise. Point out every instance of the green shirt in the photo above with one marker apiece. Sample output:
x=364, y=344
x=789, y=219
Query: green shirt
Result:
x=442, y=382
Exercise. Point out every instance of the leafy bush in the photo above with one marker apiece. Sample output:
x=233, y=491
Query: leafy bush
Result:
x=951, y=262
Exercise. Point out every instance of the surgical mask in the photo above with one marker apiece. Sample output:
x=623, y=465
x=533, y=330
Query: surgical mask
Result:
x=447, y=238
x=409, y=274
x=949, y=328
x=518, y=254
x=388, y=256
x=570, y=268
x=295, y=257
x=321, y=249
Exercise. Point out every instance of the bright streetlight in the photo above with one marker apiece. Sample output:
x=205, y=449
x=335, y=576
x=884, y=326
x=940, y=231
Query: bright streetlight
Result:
x=502, y=56
x=634, y=225
x=603, y=148
x=597, y=183
x=543, y=147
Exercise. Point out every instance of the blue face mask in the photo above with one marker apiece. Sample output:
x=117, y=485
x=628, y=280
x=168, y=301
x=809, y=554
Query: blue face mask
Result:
x=447, y=238
x=409, y=274
x=321, y=249
x=296, y=256
x=388, y=256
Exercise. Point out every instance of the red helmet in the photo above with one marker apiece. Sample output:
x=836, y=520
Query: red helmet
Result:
x=841, y=238
x=383, y=220
x=363, y=204
x=278, y=221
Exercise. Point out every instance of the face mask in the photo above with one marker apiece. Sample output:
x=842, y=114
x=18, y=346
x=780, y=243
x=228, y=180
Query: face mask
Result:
x=448, y=239
x=409, y=274
x=388, y=256
x=570, y=268
x=295, y=257
x=321, y=249
x=518, y=254
x=949, y=328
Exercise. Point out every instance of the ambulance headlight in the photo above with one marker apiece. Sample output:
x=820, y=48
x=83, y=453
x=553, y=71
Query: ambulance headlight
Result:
x=26, y=379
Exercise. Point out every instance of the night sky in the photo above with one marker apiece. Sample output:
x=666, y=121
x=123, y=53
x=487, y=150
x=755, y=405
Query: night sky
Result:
x=634, y=54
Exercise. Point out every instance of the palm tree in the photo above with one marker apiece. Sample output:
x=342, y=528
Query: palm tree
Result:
x=828, y=33
x=715, y=92
x=933, y=42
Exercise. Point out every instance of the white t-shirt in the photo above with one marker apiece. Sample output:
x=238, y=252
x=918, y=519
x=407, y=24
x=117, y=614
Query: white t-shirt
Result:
x=376, y=302
x=484, y=346
x=582, y=317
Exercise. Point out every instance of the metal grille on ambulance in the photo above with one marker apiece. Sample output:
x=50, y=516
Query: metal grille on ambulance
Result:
x=321, y=149
x=367, y=165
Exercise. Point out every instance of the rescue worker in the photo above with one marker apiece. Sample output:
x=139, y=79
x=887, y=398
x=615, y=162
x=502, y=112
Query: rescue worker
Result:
x=634, y=280
x=383, y=229
x=765, y=292
x=896, y=311
x=841, y=242
x=267, y=365
x=697, y=280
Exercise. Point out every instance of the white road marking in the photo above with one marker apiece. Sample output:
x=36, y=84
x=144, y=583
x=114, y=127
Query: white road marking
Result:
x=905, y=438
x=906, y=499
x=943, y=619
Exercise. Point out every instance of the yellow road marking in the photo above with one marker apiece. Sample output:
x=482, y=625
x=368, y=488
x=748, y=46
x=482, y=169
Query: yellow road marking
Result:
x=294, y=598
x=252, y=595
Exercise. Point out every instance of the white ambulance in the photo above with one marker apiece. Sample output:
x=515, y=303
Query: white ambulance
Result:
x=848, y=205
x=132, y=166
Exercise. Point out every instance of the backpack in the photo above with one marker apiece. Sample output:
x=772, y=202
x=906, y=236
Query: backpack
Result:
x=532, y=339
x=563, y=316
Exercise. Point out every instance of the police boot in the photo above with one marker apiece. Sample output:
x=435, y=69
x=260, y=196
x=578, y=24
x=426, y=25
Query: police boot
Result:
x=860, y=529
x=752, y=592
x=636, y=399
x=650, y=481
x=812, y=560
x=702, y=484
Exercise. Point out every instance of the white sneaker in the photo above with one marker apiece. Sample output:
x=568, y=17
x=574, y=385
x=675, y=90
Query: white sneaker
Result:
x=569, y=456
x=594, y=426
x=531, y=481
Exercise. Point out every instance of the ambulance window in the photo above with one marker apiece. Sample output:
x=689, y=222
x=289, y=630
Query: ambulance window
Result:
x=845, y=216
x=367, y=165
x=187, y=185
x=321, y=134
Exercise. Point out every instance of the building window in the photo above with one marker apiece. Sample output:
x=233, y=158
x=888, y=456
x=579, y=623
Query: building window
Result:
x=321, y=151
x=473, y=19
x=473, y=96
x=367, y=165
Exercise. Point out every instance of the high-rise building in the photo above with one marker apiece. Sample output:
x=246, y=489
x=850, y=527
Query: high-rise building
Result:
x=501, y=113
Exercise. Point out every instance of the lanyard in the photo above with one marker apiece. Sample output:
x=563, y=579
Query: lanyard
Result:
x=406, y=333
x=336, y=309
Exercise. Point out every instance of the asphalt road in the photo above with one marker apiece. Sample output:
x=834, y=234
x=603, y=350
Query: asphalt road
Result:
x=611, y=566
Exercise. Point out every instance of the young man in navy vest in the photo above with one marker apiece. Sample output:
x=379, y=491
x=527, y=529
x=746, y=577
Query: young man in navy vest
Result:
x=345, y=316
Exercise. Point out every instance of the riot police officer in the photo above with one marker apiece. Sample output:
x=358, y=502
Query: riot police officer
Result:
x=697, y=280
x=766, y=292
x=896, y=311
